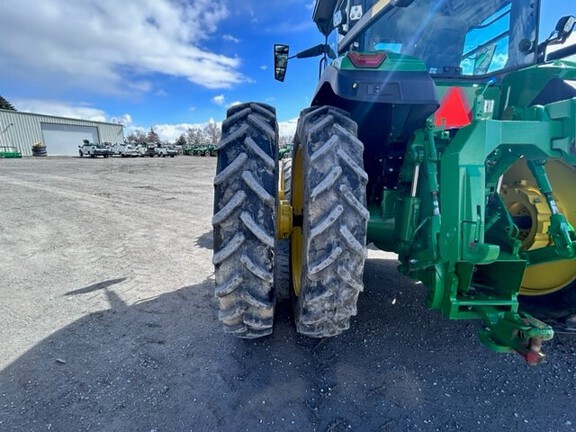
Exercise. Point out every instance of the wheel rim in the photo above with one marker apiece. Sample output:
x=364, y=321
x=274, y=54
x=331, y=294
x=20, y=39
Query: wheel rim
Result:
x=524, y=198
x=296, y=240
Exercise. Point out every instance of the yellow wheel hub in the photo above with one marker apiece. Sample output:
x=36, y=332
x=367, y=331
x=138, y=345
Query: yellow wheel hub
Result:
x=284, y=227
x=523, y=199
x=296, y=239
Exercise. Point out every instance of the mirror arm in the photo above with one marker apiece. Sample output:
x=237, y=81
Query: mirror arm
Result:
x=561, y=53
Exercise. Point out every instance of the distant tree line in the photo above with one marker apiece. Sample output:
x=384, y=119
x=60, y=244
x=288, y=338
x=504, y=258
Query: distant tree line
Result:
x=209, y=134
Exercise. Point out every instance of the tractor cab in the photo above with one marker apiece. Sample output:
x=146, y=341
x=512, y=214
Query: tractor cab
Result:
x=452, y=38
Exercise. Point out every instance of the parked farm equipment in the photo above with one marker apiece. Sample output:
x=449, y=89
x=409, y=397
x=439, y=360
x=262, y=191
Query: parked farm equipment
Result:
x=443, y=131
x=166, y=151
x=94, y=149
x=125, y=150
x=200, y=150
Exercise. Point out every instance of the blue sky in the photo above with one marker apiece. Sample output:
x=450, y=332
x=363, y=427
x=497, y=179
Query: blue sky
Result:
x=170, y=64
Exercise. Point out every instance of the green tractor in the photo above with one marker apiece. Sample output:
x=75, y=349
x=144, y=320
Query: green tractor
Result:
x=441, y=130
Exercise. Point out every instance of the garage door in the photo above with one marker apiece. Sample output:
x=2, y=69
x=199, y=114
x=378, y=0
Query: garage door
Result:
x=61, y=139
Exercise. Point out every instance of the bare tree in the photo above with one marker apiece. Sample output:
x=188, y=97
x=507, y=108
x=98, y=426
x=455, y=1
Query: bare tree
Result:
x=137, y=137
x=212, y=132
x=194, y=136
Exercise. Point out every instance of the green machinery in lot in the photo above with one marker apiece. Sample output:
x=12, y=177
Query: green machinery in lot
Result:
x=200, y=150
x=9, y=152
x=285, y=151
x=441, y=130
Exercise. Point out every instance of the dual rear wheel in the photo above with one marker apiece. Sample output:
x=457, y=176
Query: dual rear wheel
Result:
x=324, y=263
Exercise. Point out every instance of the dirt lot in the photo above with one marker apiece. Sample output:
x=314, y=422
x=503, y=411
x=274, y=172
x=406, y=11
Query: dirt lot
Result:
x=109, y=324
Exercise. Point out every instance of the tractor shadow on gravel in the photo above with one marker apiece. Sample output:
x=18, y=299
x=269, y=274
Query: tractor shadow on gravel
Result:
x=96, y=287
x=205, y=240
x=164, y=364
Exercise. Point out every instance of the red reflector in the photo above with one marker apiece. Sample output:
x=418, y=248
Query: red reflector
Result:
x=454, y=110
x=366, y=60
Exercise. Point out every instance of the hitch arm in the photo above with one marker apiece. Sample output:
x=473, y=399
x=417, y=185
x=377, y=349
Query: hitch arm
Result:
x=516, y=332
x=560, y=229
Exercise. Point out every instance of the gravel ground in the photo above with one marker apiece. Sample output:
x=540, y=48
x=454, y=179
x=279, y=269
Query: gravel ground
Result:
x=109, y=324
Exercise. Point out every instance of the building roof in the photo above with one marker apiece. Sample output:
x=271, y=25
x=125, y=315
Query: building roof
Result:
x=59, y=117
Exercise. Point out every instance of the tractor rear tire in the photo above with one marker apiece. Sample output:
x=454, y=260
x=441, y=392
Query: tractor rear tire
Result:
x=245, y=203
x=328, y=241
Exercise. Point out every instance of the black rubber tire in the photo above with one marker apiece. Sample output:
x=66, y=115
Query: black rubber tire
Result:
x=40, y=151
x=245, y=203
x=334, y=220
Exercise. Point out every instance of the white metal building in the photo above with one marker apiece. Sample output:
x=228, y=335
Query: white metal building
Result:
x=61, y=135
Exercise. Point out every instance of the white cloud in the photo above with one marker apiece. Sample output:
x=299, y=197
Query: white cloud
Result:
x=125, y=119
x=219, y=100
x=82, y=111
x=112, y=46
x=140, y=86
x=264, y=67
x=171, y=132
x=288, y=127
x=230, y=38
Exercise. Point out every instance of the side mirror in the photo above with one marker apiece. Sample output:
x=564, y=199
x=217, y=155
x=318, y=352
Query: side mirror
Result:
x=564, y=27
x=280, y=61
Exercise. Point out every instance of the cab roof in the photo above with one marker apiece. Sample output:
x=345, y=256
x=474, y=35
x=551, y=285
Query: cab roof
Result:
x=322, y=16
